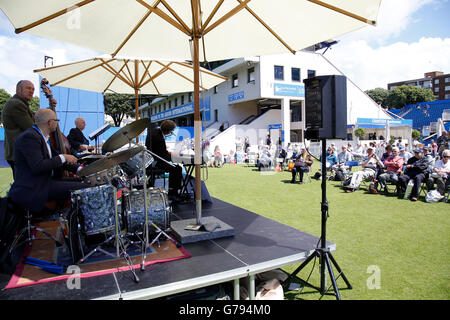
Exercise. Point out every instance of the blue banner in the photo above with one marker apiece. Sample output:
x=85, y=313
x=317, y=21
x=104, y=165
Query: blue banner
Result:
x=384, y=122
x=236, y=96
x=183, y=110
x=282, y=89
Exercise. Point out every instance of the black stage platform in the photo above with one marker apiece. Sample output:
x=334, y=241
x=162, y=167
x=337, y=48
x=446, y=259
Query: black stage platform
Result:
x=259, y=245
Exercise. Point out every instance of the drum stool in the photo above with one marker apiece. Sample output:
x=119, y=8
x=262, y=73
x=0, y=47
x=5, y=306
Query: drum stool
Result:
x=156, y=173
x=29, y=227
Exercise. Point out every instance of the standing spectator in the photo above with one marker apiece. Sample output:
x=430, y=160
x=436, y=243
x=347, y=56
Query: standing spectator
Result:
x=222, y=127
x=269, y=140
x=442, y=142
x=17, y=117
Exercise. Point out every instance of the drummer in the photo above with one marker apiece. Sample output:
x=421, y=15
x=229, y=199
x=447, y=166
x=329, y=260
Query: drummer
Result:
x=78, y=142
x=37, y=162
x=156, y=143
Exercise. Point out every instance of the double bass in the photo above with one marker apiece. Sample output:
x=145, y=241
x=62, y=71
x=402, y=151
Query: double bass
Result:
x=58, y=141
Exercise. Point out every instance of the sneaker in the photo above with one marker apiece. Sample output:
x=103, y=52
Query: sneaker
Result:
x=413, y=199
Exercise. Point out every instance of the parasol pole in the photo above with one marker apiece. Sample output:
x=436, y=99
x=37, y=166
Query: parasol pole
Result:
x=136, y=93
x=197, y=121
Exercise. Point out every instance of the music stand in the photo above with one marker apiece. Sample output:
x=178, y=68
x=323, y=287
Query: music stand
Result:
x=96, y=134
x=323, y=253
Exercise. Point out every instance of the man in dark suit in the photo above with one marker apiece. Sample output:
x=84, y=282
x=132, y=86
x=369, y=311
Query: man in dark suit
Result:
x=156, y=143
x=35, y=163
x=77, y=140
x=17, y=117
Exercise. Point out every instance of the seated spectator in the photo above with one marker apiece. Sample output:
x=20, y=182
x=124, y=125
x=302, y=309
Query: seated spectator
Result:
x=331, y=158
x=218, y=157
x=405, y=154
x=265, y=159
x=393, y=168
x=440, y=174
x=415, y=169
x=387, y=153
x=343, y=157
x=302, y=164
x=427, y=154
x=369, y=170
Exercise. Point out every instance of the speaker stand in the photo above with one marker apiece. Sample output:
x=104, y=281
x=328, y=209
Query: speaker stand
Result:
x=323, y=253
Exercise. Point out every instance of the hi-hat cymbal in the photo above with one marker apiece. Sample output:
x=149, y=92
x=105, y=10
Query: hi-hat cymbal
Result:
x=125, y=135
x=110, y=161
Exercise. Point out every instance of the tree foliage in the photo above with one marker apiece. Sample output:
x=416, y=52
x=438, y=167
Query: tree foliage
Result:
x=118, y=106
x=415, y=134
x=400, y=96
x=360, y=133
x=379, y=95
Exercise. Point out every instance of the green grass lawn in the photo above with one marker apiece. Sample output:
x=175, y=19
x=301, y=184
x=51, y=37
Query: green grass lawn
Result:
x=407, y=242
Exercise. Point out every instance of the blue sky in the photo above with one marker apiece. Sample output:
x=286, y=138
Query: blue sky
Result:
x=411, y=37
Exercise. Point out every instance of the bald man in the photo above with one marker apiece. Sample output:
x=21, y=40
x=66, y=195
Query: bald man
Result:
x=17, y=117
x=35, y=163
x=77, y=140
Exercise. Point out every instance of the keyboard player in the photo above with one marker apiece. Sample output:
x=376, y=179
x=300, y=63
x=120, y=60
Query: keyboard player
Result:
x=156, y=143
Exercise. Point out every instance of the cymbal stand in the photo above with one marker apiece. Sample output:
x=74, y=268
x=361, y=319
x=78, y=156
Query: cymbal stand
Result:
x=118, y=241
x=148, y=221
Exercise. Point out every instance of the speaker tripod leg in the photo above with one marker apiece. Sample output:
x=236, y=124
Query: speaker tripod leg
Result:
x=332, y=278
x=293, y=274
x=340, y=271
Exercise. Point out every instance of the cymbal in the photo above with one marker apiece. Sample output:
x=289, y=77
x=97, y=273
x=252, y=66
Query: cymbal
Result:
x=125, y=135
x=110, y=161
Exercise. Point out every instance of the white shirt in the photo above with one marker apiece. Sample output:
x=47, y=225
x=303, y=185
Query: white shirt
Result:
x=63, y=160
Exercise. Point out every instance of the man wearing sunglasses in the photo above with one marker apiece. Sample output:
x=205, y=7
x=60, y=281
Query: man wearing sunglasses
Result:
x=35, y=163
x=440, y=174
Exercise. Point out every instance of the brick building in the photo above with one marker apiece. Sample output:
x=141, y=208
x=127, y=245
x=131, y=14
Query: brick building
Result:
x=437, y=81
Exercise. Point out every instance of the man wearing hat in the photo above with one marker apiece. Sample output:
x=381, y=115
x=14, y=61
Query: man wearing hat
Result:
x=394, y=165
x=370, y=166
x=416, y=168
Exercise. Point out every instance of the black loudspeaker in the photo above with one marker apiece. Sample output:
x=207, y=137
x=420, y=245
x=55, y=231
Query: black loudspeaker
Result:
x=326, y=107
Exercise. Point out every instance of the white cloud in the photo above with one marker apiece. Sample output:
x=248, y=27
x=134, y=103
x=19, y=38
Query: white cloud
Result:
x=370, y=68
x=394, y=16
x=371, y=58
x=21, y=54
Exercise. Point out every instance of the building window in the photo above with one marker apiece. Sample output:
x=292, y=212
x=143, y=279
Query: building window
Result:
x=251, y=75
x=447, y=96
x=311, y=73
x=175, y=102
x=190, y=97
x=279, y=72
x=170, y=104
x=436, y=89
x=436, y=81
x=447, y=80
x=182, y=99
x=295, y=74
x=234, y=80
x=215, y=90
x=447, y=88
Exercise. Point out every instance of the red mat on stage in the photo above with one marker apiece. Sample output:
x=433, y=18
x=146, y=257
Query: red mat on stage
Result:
x=26, y=274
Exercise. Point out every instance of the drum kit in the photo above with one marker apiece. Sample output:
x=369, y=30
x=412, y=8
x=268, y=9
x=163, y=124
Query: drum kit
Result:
x=119, y=208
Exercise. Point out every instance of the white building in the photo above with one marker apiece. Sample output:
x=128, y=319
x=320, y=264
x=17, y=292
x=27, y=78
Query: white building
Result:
x=263, y=95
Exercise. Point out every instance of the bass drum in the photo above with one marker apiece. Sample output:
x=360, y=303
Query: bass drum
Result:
x=96, y=209
x=158, y=209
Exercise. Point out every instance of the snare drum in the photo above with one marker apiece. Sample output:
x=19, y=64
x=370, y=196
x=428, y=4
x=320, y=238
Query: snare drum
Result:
x=158, y=209
x=101, y=177
x=96, y=208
